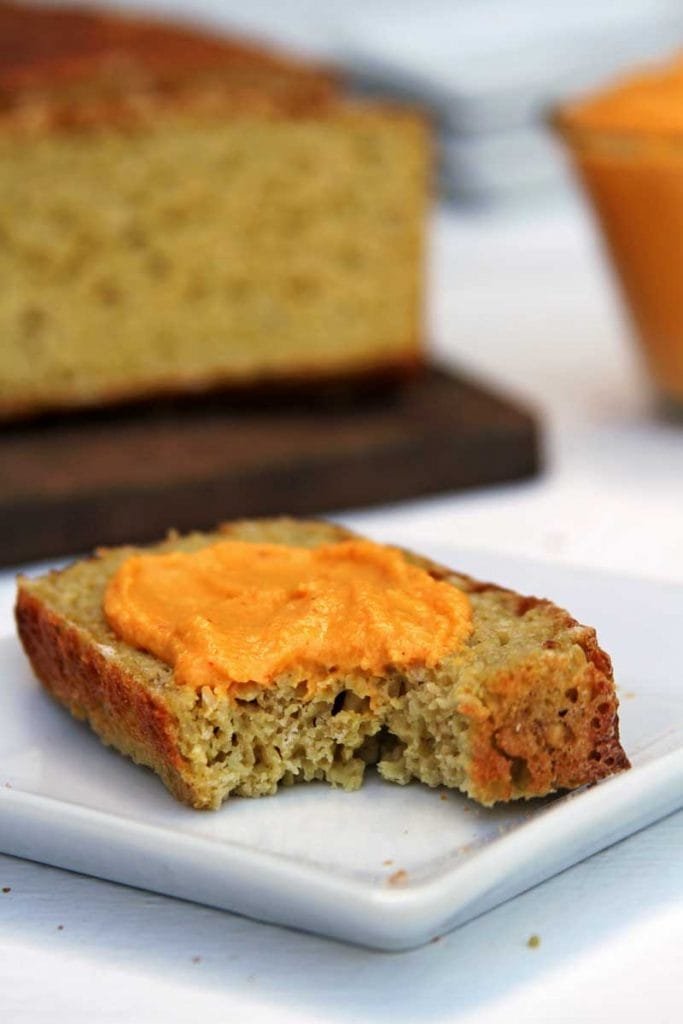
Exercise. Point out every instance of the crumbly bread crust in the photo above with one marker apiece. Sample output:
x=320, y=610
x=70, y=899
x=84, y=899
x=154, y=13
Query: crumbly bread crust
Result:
x=525, y=708
x=63, y=68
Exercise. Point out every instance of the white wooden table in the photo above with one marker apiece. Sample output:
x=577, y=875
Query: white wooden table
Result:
x=525, y=300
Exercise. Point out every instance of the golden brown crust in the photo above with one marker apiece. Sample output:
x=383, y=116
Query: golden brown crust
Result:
x=544, y=723
x=80, y=677
x=54, y=44
x=66, y=67
x=516, y=746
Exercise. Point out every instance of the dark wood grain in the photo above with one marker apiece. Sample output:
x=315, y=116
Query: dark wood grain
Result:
x=104, y=478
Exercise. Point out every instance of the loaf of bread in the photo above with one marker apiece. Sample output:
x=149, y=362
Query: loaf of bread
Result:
x=525, y=707
x=180, y=212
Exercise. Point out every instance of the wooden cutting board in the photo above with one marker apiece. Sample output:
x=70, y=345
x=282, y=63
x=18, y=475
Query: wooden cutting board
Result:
x=129, y=475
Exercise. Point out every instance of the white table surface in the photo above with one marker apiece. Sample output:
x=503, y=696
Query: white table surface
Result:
x=524, y=299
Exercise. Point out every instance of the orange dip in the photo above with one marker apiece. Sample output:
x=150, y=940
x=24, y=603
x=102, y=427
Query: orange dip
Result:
x=236, y=612
x=628, y=145
x=650, y=102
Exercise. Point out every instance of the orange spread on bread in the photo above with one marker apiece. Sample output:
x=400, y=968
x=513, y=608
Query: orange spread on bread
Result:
x=237, y=612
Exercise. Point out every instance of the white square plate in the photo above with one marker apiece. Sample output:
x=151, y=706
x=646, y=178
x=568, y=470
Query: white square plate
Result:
x=389, y=866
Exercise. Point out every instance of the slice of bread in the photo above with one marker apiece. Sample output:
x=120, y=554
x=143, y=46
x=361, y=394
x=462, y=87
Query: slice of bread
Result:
x=526, y=707
x=180, y=213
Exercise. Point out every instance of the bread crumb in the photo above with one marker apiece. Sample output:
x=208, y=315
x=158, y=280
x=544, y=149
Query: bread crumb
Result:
x=534, y=941
x=444, y=796
x=60, y=927
x=6, y=888
x=399, y=877
x=386, y=863
x=629, y=695
x=196, y=959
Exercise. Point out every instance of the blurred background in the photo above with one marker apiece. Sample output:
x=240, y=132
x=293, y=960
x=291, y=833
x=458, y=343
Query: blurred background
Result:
x=521, y=294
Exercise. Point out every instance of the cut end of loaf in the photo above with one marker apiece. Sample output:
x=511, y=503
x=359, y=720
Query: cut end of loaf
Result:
x=221, y=216
x=291, y=252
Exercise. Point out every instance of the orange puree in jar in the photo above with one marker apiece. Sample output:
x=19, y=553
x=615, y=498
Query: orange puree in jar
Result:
x=238, y=612
x=628, y=144
x=647, y=103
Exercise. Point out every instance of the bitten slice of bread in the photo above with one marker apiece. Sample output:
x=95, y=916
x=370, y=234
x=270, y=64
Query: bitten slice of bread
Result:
x=526, y=707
